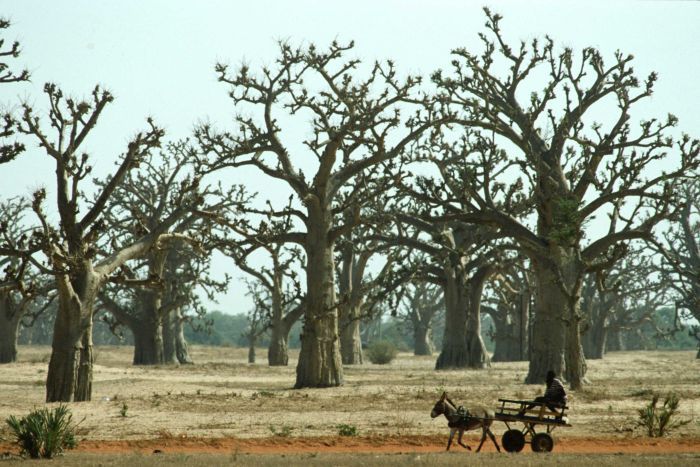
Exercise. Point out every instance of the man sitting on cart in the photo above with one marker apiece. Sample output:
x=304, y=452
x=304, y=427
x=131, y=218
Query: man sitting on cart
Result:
x=554, y=395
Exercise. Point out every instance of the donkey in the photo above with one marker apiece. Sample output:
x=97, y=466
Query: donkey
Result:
x=459, y=421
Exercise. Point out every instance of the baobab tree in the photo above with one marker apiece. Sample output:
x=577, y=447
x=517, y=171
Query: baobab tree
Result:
x=9, y=149
x=459, y=261
x=624, y=297
x=156, y=287
x=21, y=286
x=509, y=304
x=441, y=204
x=278, y=297
x=418, y=305
x=274, y=284
x=74, y=260
x=679, y=248
x=356, y=125
x=575, y=168
x=359, y=290
x=258, y=316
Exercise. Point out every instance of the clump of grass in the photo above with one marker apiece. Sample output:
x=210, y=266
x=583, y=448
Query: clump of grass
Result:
x=255, y=395
x=347, y=430
x=657, y=420
x=44, y=433
x=284, y=432
x=156, y=400
x=642, y=393
x=381, y=352
x=594, y=395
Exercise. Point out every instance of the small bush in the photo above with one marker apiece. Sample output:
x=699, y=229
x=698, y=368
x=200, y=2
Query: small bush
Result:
x=284, y=432
x=659, y=421
x=381, y=352
x=44, y=433
x=347, y=430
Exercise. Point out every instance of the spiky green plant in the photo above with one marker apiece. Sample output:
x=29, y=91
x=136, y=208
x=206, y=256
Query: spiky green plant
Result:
x=44, y=433
x=658, y=420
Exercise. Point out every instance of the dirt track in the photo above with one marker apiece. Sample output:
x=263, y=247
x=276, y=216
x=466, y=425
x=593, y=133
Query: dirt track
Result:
x=378, y=444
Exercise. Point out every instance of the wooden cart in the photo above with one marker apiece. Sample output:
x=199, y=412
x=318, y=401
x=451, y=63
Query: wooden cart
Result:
x=538, y=417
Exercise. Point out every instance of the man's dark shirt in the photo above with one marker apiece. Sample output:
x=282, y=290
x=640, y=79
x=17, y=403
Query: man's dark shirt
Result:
x=555, y=392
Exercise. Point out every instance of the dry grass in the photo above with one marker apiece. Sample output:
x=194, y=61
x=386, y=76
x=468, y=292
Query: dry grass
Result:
x=224, y=396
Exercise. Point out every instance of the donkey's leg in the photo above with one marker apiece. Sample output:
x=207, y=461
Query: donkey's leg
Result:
x=493, y=438
x=449, y=441
x=483, y=437
x=459, y=440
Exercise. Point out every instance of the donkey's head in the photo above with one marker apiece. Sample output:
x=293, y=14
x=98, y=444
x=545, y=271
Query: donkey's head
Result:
x=440, y=406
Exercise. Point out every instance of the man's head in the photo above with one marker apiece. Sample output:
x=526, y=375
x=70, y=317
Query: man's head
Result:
x=550, y=377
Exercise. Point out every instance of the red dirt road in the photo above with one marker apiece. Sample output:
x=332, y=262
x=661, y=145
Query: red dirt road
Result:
x=378, y=444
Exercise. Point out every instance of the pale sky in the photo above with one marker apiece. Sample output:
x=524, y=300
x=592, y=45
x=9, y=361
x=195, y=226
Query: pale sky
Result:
x=157, y=57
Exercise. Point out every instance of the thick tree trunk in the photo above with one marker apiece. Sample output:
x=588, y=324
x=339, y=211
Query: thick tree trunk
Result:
x=8, y=341
x=73, y=320
x=350, y=340
x=594, y=341
x=10, y=318
x=65, y=355
x=575, y=361
x=614, y=341
x=278, y=352
x=477, y=356
x=169, y=332
x=503, y=341
x=549, y=330
x=61, y=377
x=423, y=344
x=175, y=347
x=83, y=385
x=320, y=363
x=182, y=349
x=350, y=279
x=251, y=349
x=454, y=352
x=148, y=343
x=557, y=331
x=510, y=337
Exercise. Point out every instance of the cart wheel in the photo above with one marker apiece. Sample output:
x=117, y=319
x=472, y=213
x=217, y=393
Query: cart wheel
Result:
x=513, y=441
x=542, y=442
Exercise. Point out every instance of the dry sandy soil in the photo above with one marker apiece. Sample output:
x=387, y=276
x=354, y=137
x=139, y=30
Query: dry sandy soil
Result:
x=223, y=407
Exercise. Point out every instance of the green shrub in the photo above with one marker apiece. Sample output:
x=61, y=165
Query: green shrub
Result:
x=44, y=433
x=347, y=430
x=658, y=421
x=284, y=432
x=381, y=352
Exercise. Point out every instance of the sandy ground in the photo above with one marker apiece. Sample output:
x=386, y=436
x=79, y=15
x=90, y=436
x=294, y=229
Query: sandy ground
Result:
x=378, y=444
x=222, y=404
